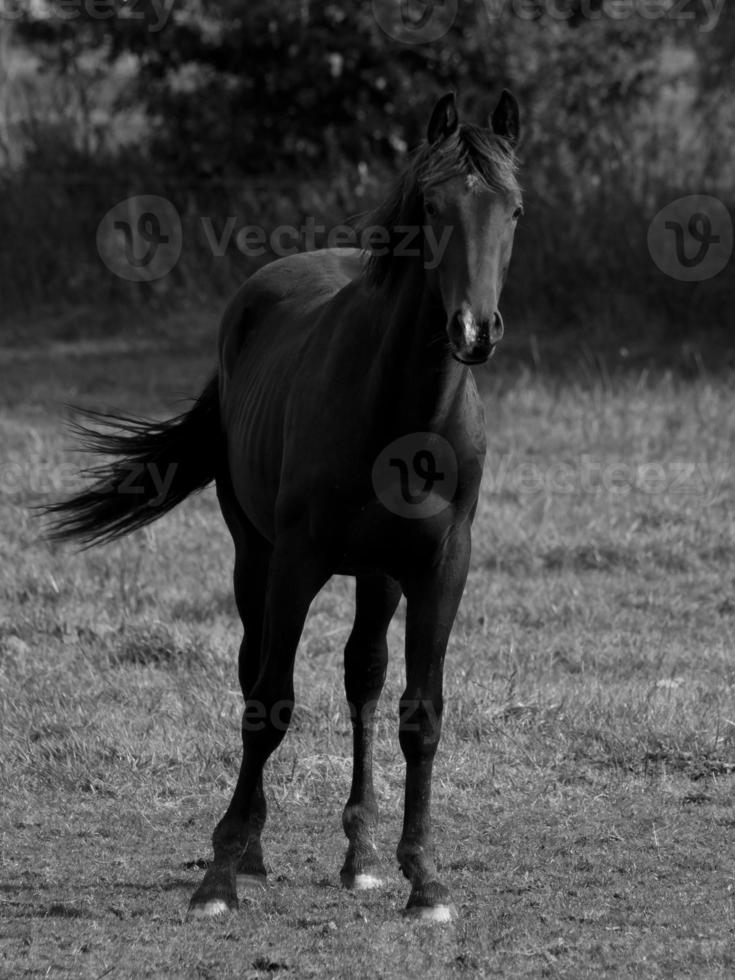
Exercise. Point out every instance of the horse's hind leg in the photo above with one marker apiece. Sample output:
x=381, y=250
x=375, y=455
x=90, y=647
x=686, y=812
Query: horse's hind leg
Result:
x=251, y=576
x=366, y=659
x=252, y=555
x=294, y=577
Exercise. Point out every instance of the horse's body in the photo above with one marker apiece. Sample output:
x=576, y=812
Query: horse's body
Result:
x=330, y=362
x=313, y=385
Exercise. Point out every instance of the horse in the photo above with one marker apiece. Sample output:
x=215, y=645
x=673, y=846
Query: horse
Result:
x=345, y=434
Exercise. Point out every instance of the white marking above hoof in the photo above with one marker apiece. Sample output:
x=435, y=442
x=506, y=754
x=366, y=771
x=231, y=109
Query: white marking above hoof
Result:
x=215, y=906
x=433, y=914
x=363, y=882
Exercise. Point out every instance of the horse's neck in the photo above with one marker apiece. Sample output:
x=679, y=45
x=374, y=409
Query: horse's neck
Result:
x=414, y=371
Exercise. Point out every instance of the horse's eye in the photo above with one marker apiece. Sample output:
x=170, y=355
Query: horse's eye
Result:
x=517, y=213
x=431, y=209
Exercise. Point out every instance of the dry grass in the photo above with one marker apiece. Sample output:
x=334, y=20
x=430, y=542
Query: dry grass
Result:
x=583, y=793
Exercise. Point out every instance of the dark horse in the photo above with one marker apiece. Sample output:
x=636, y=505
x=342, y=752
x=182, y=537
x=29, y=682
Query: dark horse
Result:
x=346, y=436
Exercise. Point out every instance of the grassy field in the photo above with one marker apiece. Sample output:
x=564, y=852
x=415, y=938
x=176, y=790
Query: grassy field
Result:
x=583, y=791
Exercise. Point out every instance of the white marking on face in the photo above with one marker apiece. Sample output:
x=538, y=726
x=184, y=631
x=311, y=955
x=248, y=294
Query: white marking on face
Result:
x=469, y=324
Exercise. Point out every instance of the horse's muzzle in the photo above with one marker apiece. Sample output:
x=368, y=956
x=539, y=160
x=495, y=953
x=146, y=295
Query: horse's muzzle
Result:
x=473, y=342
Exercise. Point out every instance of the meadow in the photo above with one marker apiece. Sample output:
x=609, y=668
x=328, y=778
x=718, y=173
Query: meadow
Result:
x=583, y=803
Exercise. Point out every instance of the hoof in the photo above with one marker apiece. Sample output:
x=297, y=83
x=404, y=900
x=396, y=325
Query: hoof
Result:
x=363, y=881
x=431, y=902
x=251, y=884
x=209, y=909
x=432, y=914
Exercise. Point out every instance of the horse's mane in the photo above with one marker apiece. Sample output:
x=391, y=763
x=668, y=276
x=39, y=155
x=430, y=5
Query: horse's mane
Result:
x=469, y=152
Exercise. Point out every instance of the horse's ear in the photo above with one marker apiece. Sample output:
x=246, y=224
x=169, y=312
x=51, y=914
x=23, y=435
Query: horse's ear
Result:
x=444, y=119
x=506, y=119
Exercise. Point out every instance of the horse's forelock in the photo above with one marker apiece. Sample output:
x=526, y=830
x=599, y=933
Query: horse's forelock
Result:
x=470, y=152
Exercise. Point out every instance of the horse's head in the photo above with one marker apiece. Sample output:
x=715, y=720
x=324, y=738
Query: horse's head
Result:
x=472, y=202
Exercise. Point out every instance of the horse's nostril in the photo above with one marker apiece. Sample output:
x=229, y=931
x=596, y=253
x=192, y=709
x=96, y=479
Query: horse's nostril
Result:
x=496, y=328
x=457, y=330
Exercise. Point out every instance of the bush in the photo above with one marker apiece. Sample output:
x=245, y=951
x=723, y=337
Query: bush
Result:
x=272, y=113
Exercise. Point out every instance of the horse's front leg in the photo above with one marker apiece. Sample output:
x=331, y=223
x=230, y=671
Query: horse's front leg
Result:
x=432, y=597
x=366, y=660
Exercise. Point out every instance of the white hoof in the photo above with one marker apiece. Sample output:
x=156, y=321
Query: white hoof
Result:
x=434, y=914
x=215, y=906
x=363, y=882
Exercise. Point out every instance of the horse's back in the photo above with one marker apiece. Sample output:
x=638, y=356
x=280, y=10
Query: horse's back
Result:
x=279, y=304
x=262, y=342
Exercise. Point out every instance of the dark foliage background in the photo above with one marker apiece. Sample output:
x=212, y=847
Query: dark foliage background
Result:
x=273, y=112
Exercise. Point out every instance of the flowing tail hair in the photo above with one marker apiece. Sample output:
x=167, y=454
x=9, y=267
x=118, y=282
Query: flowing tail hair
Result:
x=154, y=466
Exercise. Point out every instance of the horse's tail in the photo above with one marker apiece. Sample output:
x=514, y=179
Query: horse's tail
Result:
x=154, y=466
